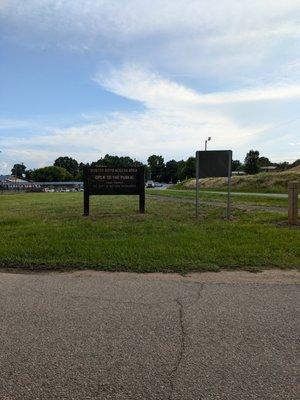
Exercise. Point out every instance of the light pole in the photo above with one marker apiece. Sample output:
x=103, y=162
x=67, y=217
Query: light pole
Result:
x=207, y=140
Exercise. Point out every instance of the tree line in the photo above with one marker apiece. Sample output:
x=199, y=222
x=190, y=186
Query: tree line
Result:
x=68, y=169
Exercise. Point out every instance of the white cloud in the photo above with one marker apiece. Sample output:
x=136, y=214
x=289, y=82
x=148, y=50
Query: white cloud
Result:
x=209, y=37
x=149, y=88
x=137, y=84
x=136, y=18
x=175, y=122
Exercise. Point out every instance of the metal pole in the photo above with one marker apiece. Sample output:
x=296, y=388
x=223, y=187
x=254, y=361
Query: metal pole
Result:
x=86, y=194
x=205, y=147
x=229, y=185
x=293, y=202
x=197, y=184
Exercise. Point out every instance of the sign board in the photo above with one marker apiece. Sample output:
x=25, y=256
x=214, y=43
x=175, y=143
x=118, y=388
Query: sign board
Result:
x=213, y=163
x=105, y=180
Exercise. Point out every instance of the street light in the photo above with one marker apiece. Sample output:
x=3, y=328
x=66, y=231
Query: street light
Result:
x=207, y=140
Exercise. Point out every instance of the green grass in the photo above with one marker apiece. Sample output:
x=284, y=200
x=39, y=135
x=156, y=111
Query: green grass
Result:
x=244, y=199
x=48, y=230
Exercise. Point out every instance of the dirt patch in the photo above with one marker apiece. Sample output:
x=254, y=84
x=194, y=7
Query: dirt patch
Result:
x=285, y=224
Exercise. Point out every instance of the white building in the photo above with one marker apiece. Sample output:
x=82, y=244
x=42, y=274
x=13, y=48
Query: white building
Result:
x=12, y=182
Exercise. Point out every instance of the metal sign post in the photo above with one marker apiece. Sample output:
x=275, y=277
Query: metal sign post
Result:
x=213, y=163
x=229, y=185
x=197, y=184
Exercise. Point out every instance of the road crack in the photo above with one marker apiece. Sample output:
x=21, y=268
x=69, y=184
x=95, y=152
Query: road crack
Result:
x=183, y=338
x=182, y=348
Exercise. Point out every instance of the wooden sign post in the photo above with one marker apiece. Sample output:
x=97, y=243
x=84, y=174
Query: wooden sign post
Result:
x=293, y=203
x=100, y=180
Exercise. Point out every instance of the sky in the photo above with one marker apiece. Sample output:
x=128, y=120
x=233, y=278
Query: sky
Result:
x=85, y=78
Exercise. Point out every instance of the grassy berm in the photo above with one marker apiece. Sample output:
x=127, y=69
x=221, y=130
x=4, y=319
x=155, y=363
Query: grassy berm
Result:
x=265, y=182
x=48, y=231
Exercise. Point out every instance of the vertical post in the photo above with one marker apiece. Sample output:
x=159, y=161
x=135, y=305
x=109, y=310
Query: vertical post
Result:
x=86, y=203
x=229, y=185
x=86, y=195
x=142, y=190
x=293, y=203
x=197, y=184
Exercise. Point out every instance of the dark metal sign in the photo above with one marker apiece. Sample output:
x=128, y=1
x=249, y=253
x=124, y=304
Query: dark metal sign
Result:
x=213, y=163
x=99, y=180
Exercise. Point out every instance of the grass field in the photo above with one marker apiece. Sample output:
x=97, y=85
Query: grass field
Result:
x=49, y=231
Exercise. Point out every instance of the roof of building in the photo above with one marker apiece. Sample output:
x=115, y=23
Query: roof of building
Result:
x=268, y=167
x=12, y=179
x=58, y=183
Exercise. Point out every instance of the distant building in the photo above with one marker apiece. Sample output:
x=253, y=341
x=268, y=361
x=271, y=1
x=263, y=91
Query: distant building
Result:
x=269, y=168
x=10, y=182
x=60, y=186
x=238, y=173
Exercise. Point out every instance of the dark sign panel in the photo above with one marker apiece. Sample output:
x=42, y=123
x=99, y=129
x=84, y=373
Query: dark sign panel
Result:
x=214, y=163
x=101, y=180
x=111, y=180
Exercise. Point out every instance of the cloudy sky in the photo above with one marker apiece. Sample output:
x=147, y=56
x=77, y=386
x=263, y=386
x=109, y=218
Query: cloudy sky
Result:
x=136, y=77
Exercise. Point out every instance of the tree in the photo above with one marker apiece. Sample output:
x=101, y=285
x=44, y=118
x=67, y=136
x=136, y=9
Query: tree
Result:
x=189, y=170
x=69, y=163
x=264, y=162
x=157, y=166
x=79, y=175
x=116, y=161
x=18, y=170
x=251, y=162
x=51, y=174
x=28, y=174
x=181, y=169
x=236, y=165
x=283, y=166
x=171, y=171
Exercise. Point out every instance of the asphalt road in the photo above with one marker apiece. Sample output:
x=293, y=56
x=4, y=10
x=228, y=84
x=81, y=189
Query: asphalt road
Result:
x=89, y=335
x=272, y=195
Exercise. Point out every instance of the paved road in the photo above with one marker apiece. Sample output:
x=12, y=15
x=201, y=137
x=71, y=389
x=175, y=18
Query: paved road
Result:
x=89, y=335
x=272, y=195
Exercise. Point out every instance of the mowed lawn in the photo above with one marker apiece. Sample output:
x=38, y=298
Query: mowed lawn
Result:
x=48, y=230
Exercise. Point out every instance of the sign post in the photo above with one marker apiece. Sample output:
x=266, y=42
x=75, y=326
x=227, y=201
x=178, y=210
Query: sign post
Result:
x=293, y=202
x=197, y=184
x=229, y=185
x=213, y=163
x=99, y=180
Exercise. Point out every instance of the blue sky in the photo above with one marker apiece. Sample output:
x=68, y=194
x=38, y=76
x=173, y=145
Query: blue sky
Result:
x=86, y=78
